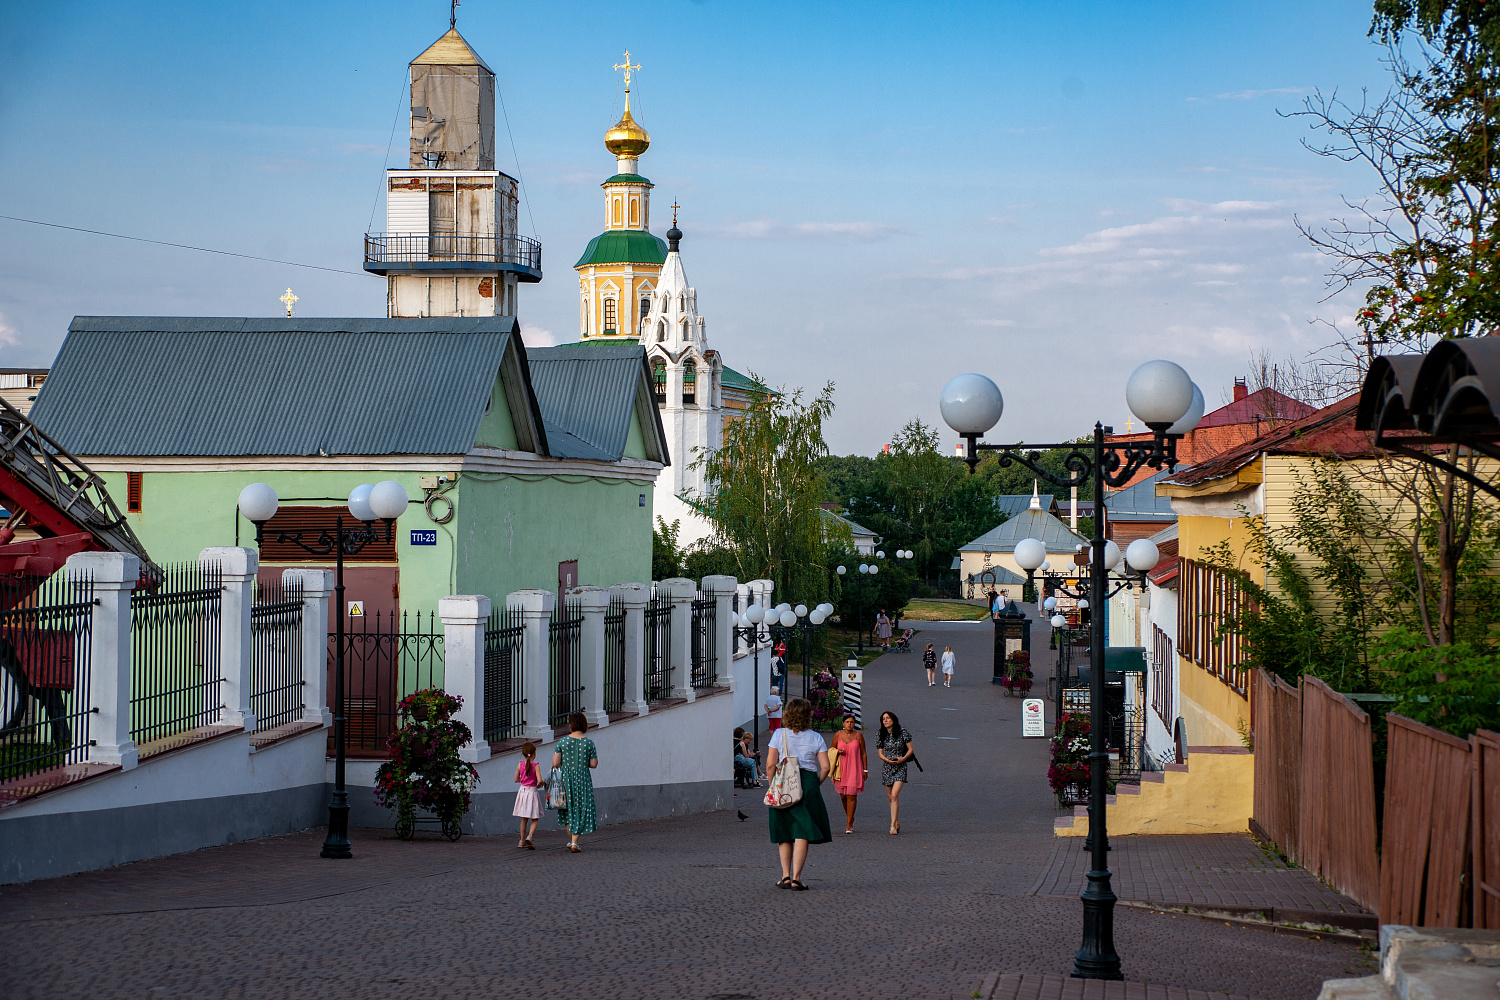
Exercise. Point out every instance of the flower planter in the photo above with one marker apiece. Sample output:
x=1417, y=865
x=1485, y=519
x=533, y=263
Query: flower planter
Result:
x=424, y=780
x=407, y=823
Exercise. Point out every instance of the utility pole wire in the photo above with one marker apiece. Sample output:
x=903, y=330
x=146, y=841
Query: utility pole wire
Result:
x=180, y=246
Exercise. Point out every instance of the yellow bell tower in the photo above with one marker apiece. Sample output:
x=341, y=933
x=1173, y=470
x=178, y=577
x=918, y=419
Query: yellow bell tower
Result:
x=621, y=266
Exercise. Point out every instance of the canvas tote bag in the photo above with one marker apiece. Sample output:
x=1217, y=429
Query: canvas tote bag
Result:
x=785, y=789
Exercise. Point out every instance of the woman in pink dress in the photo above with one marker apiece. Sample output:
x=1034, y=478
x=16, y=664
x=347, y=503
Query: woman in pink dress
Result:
x=853, y=763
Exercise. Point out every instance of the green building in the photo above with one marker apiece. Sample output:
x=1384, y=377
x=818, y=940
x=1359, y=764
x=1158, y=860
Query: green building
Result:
x=519, y=463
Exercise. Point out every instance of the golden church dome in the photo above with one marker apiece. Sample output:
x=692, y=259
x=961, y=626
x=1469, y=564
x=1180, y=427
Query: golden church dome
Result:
x=627, y=138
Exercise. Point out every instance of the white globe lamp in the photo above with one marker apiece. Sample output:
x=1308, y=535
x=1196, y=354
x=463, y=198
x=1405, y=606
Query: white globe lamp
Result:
x=801, y=610
x=359, y=502
x=1050, y=604
x=971, y=404
x=1189, y=420
x=1159, y=393
x=1058, y=621
x=258, y=502
x=788, y=618
x=755, y=614
x=388, y=500
x=1030, y=553
x=1142, y=555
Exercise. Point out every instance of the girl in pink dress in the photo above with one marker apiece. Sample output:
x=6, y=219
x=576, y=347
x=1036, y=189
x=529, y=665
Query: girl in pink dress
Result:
x=528, y=796
x=853, y=763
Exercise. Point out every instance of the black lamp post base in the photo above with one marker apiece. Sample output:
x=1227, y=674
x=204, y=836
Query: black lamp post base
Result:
x=336, y=844
x=1097, y=958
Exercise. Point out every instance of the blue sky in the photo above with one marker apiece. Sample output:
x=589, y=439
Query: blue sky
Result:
x=881, y=195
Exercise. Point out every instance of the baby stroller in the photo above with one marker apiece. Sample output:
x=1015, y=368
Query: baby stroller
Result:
x=903, y=641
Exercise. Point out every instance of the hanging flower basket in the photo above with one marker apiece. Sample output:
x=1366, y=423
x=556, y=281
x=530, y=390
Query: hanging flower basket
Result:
x=424, y=771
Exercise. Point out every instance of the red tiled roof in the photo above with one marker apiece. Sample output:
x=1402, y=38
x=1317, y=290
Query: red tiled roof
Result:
x=1260, y=405
x=1329, y=432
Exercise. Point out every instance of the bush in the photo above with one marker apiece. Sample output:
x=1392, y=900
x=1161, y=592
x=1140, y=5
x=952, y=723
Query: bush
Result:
x=1453, y=688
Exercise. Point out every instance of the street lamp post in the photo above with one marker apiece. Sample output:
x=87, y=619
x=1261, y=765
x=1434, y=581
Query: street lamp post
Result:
x=865, y=569
x=1165, y=399
x=385, y=502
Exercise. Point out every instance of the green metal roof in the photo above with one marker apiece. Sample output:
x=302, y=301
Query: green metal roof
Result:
x=1036, y=524
x=624, y=246
x=189, y=386
x=627, y=179
x=588, y=393
x=734, y=380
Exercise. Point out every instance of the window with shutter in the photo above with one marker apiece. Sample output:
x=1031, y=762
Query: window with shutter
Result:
x=316, y=526
x=133, y=492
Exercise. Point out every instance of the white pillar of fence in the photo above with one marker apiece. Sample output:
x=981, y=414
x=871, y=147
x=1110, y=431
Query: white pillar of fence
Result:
x=593, y=602
x=721, y=590
x=746, y=597
x=535, y=608
x=114, y=575
x=680, y=592
x=237, y=569
x=317, y=591
x=464, y=618
x=635, y=597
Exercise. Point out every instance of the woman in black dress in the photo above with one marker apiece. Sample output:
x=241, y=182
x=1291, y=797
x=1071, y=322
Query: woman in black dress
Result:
x=893, y=744
x=929, y=660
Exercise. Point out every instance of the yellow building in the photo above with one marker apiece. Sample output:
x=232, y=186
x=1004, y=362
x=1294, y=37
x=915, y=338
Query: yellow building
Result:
x=621, y=267
x=1215, y=503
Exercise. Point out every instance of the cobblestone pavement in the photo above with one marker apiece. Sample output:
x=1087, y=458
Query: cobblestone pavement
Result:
x=1224, y=869
x=678, y=908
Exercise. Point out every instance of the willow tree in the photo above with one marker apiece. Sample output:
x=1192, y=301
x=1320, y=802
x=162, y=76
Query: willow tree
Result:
x=764, y=492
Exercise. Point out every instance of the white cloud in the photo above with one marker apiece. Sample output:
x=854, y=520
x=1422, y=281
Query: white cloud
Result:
x=831, y=232
x=8, y=334
x=535, y=336
x=1250, y=95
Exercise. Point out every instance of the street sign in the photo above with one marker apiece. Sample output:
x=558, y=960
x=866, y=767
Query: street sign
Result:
x=356, y=609
x=1033, y=718
x=850, y=682
x=424, y=536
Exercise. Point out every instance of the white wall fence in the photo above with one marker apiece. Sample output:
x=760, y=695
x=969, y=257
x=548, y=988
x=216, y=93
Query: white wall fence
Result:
x=222, y=776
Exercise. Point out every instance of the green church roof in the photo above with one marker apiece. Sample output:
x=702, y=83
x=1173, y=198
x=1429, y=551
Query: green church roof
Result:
x=624, y=246
x=734, y=380
x=627, y=179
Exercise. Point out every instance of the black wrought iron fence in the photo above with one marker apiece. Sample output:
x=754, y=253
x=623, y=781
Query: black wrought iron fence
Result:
x=276, y=678
x=175, y=681
x=614, y=654
x=504, y=676
x=565, y=664
x=658, y=649
x=46, y=699
x=386, y=658
x=705, y=652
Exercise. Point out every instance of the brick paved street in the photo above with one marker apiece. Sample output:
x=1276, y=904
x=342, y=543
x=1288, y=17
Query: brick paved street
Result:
x=680, y=908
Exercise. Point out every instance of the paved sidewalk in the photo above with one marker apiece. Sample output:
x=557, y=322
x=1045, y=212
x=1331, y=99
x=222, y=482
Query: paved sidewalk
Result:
x=1022, y=986
x=667, y=910
x=1209, y=870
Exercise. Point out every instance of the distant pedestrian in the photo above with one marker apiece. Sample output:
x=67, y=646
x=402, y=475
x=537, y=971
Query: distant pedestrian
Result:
x=948, y=659
x=806, y=822
x=528, y=795
x=893, y=744
x=575, y=757
x=850, y=768
x=883, y=629
x=773, y=711
x=929, y=660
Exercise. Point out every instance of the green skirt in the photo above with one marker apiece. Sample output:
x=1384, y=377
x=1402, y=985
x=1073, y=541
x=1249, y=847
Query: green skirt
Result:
x=807, y=820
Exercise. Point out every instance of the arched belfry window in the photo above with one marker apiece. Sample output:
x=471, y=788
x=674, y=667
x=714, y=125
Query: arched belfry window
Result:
x=689, y=383
x=661, y=330
x=609, y=318
x=681, y=302
x=659, y=381
x=645, y=307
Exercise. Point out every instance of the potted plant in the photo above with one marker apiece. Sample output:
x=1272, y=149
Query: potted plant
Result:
x=1069, y=773
x=824, y=695
x=1018, y=676
x=424, y=769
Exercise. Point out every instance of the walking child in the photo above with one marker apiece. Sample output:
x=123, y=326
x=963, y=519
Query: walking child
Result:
x=528, y=796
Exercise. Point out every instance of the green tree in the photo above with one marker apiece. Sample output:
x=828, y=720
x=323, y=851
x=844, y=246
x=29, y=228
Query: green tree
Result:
x=666, y=555
x=765, y=496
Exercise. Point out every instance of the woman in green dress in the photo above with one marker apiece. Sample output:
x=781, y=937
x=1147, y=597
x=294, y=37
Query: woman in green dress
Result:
x=795, y=827
x=574, y=757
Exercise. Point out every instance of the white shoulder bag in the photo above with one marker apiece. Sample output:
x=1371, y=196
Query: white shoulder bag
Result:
x=785, y=789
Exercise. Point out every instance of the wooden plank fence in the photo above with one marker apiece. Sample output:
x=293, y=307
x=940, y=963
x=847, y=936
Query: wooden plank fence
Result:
x=1439, y=859
x=1336, y=815
x=1486, y=826
x=1277, y=710
x=1426, y=845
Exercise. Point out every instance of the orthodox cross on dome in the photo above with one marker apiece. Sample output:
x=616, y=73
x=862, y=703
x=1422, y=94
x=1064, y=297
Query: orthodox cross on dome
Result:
x=674, y=215
x=627, y=67
x=287, y=298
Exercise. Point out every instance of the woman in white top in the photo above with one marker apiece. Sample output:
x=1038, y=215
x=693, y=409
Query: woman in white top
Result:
x=794, y=827
x=948, y=666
